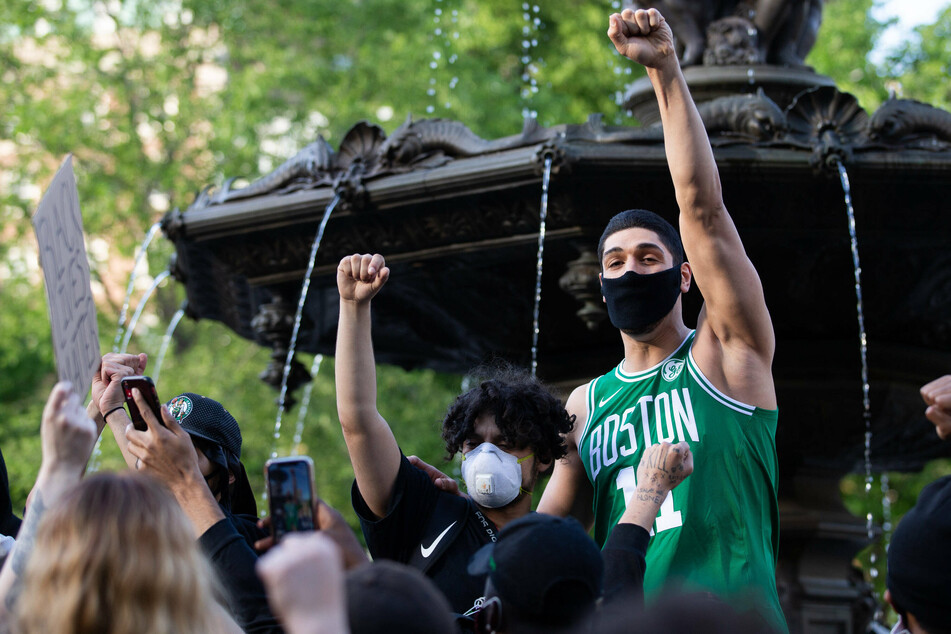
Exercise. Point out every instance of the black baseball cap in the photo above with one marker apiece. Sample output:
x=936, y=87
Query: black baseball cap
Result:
x=547, y=568
x=215, y=431
x=386, y=596
x=918, y=573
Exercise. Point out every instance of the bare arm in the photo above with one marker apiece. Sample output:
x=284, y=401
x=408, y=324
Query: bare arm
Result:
x=374, y=452
x=734, y=305
x=107, y=396
x=569, y=492
x=68, y=436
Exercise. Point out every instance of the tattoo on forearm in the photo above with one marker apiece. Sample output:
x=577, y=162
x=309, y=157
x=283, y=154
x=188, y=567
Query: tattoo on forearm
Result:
x=26, y=539
x=650, y=495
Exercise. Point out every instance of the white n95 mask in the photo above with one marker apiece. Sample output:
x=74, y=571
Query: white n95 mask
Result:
x=492, y=476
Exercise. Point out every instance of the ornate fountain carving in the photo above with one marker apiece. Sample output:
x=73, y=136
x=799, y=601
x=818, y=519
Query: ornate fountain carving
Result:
x=724, y=32
x=273, y=324
x=911, y=124
x=829, y=122
x=581, y=282
x=366, y=152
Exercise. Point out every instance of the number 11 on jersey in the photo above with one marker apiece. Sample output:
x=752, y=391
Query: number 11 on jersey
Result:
x=667, y=518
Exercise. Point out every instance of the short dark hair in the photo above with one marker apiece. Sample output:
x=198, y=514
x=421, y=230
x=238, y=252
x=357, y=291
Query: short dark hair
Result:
x=386, y=596
x=527, y=414
x=646, y=220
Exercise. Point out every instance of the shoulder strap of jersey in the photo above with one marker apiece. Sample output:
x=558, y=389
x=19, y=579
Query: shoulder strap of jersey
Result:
x=444, y=526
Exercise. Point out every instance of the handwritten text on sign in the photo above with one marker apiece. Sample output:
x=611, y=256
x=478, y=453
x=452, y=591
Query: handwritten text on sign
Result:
x=59, y=231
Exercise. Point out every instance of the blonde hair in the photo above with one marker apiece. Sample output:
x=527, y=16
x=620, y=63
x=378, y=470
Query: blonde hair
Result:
x=117, y=555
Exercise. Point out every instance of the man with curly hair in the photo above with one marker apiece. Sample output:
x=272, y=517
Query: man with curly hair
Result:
x=509, y=428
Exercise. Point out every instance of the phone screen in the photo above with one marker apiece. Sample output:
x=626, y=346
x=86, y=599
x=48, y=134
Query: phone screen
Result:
x=290, y=485
x=147, y=387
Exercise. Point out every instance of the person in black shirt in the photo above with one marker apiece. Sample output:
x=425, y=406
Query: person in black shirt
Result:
x=509, y=429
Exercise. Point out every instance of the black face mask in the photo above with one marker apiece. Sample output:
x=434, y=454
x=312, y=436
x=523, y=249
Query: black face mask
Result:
x=636, y=302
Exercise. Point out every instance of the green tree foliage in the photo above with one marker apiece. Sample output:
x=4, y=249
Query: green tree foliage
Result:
x=848, y=34
x=920, y=69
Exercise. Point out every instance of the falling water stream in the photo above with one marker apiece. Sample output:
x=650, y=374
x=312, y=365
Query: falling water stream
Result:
x=166, y=340
x=297, y=319
x=143, y=249
x=305, y=403
x=141, y=307
x=863, y=352
x=540, y=260
x=120, y=329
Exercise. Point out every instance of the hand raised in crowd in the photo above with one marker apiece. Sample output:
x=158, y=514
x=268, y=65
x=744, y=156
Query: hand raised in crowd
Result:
x=643, y=36
x=67, y=436
x=438, y=478
x=305, y=583
x=331, y=523
x=67, y=433
x=662, y=467
x=937, y=396
x=106, y=389
x=360, y=277
x=166, y=452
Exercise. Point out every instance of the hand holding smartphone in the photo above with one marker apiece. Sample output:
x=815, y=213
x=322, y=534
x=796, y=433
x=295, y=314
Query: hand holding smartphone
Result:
x=290, y=494
x=147, y=387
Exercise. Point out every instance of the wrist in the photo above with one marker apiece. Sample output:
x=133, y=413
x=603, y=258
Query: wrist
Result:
x=106, y=413
x=666, y=69
x=58, y=474
x=354, y=304
x=655, y=495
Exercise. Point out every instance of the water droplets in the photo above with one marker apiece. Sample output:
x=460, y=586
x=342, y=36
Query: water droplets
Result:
x=445, y=31
x=620, y=69
x=531, y=63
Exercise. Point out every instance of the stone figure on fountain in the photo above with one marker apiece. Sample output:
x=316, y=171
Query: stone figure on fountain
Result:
x=729, y=32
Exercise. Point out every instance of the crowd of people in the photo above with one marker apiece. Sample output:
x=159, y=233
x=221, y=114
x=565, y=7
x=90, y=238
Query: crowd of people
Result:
x=660, y=515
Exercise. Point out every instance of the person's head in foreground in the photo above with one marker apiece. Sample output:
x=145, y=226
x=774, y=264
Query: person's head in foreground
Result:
x=545, y=574
x=117, y=555
x=389, y=597
x=919, y=563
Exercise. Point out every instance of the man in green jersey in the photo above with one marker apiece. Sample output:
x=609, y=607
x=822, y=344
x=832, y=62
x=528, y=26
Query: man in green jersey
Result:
x=711, y=387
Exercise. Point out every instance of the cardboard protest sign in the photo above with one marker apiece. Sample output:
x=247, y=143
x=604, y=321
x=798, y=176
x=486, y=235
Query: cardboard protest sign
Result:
x=59, y=231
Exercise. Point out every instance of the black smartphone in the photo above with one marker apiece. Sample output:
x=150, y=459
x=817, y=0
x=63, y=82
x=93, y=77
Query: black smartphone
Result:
x=290, y=495
x=147, y=387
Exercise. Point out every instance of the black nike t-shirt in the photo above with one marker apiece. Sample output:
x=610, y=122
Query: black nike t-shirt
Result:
x=400, y=534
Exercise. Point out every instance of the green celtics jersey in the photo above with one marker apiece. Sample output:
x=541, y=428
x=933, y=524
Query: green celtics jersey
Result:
x=718, y=531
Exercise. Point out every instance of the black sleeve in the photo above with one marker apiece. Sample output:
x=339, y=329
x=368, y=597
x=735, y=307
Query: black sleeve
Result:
x=247, y=527
x=624, y=563
x=233, y=561
x=396, y=536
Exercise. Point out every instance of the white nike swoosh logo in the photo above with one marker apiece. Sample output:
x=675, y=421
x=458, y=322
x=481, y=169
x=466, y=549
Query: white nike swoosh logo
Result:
x=605, y=400
x=429, y=551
